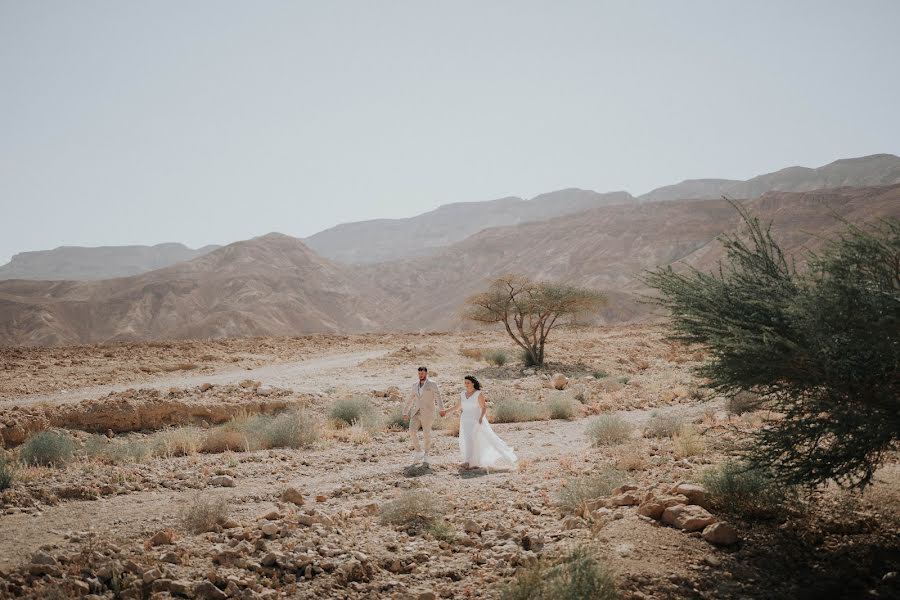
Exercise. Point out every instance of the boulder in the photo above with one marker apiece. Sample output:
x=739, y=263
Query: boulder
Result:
x=720, y=534
x=654, y=510
x=695, y=494
x=687, y=517
x=292, y=495
x=222, y=481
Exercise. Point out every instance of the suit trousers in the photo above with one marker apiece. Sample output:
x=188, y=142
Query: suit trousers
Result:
x=415, y=422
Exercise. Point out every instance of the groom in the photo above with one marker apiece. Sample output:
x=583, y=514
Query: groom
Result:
x=419, y=412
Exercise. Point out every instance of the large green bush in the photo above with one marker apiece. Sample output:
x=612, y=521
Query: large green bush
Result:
x=821, y=347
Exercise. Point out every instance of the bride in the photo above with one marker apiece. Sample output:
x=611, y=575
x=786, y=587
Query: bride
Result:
x=479, y=445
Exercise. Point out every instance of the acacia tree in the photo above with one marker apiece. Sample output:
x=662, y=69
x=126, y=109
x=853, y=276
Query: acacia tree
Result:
x=529, y=310
x=821, y=347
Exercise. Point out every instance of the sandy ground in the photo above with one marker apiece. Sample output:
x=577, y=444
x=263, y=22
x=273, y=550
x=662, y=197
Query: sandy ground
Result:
x=501, y=522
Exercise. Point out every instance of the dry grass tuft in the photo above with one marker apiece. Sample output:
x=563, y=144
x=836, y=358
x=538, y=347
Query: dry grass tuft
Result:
x=471, y=353
x=179, y=441
x=608, y=430
x=413, y=508
x=632, y=457
x=576, y=491
x=688, y=442
x=205, y=514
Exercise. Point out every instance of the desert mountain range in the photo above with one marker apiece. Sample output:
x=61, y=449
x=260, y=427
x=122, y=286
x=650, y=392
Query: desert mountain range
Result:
x=278, y=285
x=382, y=240
x=105, y=262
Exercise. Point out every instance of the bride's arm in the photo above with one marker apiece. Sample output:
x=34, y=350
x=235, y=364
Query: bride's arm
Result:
x=453, y=409
x=482, y=401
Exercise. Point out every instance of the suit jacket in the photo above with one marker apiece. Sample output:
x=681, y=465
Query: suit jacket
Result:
x=423, y=402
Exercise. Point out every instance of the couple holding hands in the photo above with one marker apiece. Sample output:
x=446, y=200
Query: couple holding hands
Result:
x=479, y=446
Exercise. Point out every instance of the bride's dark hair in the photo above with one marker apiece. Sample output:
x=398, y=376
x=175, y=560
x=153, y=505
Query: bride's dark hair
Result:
x=474, y=381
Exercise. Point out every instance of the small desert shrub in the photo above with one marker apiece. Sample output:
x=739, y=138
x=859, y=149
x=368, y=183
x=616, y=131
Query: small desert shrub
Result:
x=180, y=441
x=576, y=491
x=735, y=488
x=348, y=410
x=687, y=441
x=623, y=380
x=600, y=374
x=416, y=508
x=498, y=358
x=7, y=473
x=471, y=353
x=205, y=514
x=442, y=531
x=662, y=426
x=561, y=407
x=359, y=434
x=396, y=422
x=631, y=458
x=510, y=410
x=579, y=575
x=100, y=448
x=50, y=448
x=290, y=429
x=528, y=359
x=225, y=438
x=608, y=430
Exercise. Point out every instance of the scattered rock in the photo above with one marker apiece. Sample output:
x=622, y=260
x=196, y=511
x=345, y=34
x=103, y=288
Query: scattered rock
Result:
x=292, y=495
x=207, y=591
x=720, y=534
x=695, y=494
x=654, y=510
x=687, y=517
x=164, y=537
x=222, y=481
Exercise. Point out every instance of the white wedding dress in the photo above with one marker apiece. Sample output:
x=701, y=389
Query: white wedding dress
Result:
x=479, y=445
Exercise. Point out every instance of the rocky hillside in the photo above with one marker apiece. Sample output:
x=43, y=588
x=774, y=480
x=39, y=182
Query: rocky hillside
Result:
x=368, y=242
x=877, y=169
x=272, y=285
x=607, y=247
x=106, y=262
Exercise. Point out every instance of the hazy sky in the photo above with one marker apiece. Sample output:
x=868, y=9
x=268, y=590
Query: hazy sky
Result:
x=128, y=122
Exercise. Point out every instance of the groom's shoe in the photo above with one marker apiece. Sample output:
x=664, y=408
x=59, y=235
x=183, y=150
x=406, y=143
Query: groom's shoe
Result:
x=424, y=460
x=418, y=456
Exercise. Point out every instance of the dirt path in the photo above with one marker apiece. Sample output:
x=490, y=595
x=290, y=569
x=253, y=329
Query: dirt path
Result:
x=314, y=375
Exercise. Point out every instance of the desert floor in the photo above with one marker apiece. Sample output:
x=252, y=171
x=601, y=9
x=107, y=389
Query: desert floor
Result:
x=104, y=526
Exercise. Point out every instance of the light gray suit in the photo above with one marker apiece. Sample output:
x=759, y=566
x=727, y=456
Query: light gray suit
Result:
x=420, y=407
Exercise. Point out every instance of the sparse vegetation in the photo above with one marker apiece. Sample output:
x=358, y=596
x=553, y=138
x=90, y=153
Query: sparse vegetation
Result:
x=600, y=374
x=442, y=531
x=662, y=426
x=512, y=410
x=413, y=508
x=205, y=514
x=576, y=491
x=688, y=442
x=821, y=348
x=471, y=353
x=561, y=407
x=497, y=358
x=396, y=422
x=608, y=430
x=747, y=491
x=7, y=473
x=579, y=575
x=357, y=408
x=98, y=447
x=230, y=437
x=631, y=457
x=179, y=441
x=290, y=429
x=49, y=448
x=529, y=310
